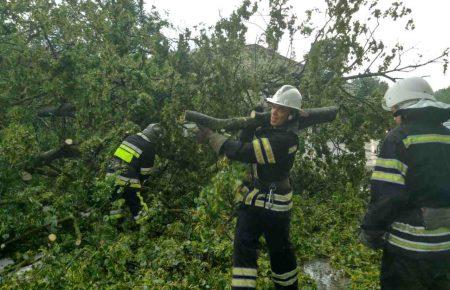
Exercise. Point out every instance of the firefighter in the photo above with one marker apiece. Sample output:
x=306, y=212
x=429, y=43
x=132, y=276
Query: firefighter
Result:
x=409, y=212
x=267, y=197
x=132, y=164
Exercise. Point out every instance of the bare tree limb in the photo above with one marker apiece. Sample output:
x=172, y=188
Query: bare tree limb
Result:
x=398, y=68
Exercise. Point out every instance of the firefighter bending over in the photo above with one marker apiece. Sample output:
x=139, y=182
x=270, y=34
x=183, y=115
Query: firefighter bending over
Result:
x=133, y=163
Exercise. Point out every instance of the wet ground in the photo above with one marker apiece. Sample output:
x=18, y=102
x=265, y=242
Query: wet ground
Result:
x=325, y=276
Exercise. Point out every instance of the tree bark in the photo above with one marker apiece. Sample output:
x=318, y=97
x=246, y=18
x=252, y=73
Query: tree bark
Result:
x=308, y=117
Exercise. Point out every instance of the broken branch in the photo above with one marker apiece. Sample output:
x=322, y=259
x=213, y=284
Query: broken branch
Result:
x=67, y=150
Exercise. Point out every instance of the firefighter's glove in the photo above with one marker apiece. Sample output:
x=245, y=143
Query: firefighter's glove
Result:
x=216, y=141
x=203, y=134
x=372, y=239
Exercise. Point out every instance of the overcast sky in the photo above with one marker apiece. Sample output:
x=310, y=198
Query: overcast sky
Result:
x=432, y=18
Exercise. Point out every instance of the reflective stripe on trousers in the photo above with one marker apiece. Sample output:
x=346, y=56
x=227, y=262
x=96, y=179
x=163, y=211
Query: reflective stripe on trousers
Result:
x=274, y=226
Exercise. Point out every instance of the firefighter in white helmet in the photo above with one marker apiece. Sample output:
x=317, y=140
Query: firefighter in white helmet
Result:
x=267, y=196
x=409, y=212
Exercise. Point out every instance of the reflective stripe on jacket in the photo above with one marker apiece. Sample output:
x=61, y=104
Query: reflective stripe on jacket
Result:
x=271, y=153
x=139, y=156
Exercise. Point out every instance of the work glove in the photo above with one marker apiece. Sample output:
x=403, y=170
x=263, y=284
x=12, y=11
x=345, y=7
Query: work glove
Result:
x=203, y=134
x=215, y=140
x=372, y=239
x=189, y=129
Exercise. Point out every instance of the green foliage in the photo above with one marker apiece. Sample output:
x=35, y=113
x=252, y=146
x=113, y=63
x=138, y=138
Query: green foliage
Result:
x=443, y=95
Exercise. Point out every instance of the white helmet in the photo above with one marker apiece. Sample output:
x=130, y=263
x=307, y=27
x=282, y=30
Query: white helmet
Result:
x=287, y=96
x=407, y=92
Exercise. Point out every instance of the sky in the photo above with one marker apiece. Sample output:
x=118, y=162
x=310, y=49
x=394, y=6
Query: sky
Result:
x=430, y=37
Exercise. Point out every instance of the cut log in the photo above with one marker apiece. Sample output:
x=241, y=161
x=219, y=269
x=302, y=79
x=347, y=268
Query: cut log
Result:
x=66, y=150
x=307, y=118
x=26, y=176
x=231, y=124
x=317, y=116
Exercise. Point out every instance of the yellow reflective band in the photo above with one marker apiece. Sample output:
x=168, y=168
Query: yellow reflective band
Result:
x=418, y=246
x=130, y=182
x=258, y=152
x=283, y=198
x=392, y=163
x=124, y=155
x=130, y=150
x=426, y=138
x=292, y=149
x=245, y=272
x=142, y=202
x=134, y=147
x=143, y=137
x=268, y=149
x=145, y=171
x=249, y=198
x=278, y=197
x=125, y=183
x=236, y=282
x=285, y=275
x=388, y=177
x=255, y=170
x=286, y=283
x=420, y=231
x=273, y=207
x=240, y=193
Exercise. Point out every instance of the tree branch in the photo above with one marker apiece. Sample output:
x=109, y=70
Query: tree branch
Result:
x=398, y=68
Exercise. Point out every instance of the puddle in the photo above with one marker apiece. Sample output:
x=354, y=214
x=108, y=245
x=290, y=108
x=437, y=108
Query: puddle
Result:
x=325, y=276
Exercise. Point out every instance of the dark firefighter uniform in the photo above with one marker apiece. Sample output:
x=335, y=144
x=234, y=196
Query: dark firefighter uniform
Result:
x=265, y=206
x=132, y=164
x=409, y=211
